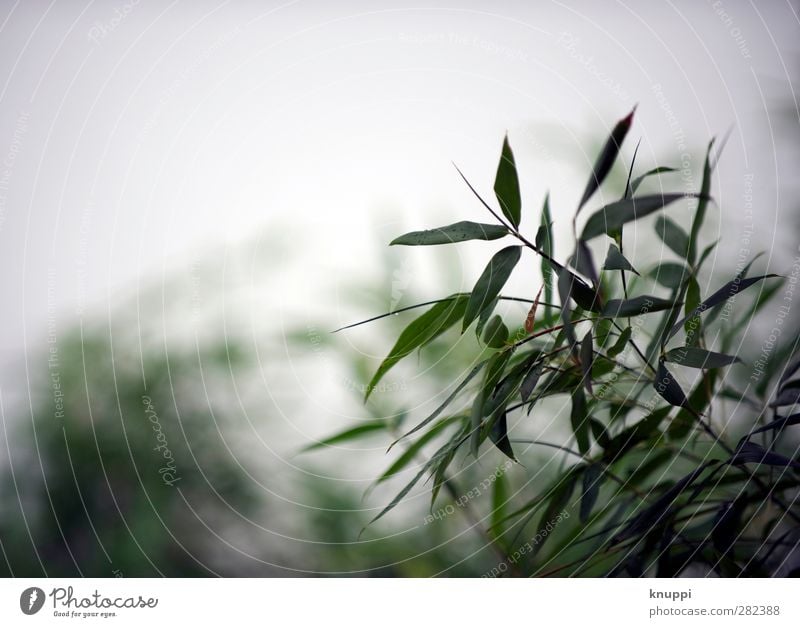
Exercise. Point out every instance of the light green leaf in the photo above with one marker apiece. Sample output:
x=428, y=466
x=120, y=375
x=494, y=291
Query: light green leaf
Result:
x=352, y=433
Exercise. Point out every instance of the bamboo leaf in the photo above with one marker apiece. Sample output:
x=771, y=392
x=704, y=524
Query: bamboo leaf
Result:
x=452, y=233
x=425, y=328
x=352, y=433
x=669, y=389
x=619, y=345
x=694, y=357
x=615, y=260
x=673, y=236
x=730, y=289
x=496, y=333
x=606, y=158
x=639, y=305
x=490, y=283
x=592, y=479
x=637, y=182
x=506, y=185
x=580, y=421
x=444, y=405
x=702, y=205
x=616, y=214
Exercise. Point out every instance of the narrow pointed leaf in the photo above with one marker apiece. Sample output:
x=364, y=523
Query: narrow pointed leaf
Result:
x=615, y=260
x=669, y=389
x=506, y=185
x=452, y=233
x=778, y=425
x=587, y=355
x=490, y=283
x=580, y=421
x=583, y=262
x=407, y=457
x=638, y=305
x=670, y=274
x=544, y=241
x=496, y=333
x=673, y=236
x=606, y=158
x=695, y=357
x=622, y=340
x=721, y=295
x=529, y=381
x=425, y=328
x=499, y=435
x=702, y=205
x=752, y=453
x=637, y=182
x=446, y=402
x=592, y=479
x=613, y=216
x=352, y=433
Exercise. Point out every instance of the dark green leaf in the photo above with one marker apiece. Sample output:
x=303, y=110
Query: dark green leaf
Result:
x=673, y=236
x=572, y=286
x=579, y=419
x=670, y=274
x=699, y=400
x=496, y=333
x=637, y=182
x=630, y=437
x=702, y=205
x=638, y=305
x=490, y=283
x=444, y=405
x=587, y=355
x=452, y=233
x=544, y=241
x=530, y=381
x=606, y=157
x=694, y=357
x=583, y=262
x=619, y=345
x=615, y=260
x=778, y=425
x=788, y=395
x=407, y=457
x=425, y=328
x=751, y=453
x=499, y=435
x=506, y=185
x=613, y=216
x=592, y=479
x=661, y=509
x=727, y=291
x=693, y=325
x=666, y=385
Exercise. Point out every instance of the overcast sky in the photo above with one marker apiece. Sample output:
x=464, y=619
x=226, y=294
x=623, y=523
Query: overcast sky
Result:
x=135, y=136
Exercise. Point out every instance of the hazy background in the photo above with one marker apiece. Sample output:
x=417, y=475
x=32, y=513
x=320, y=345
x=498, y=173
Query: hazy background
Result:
x=212, y=184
